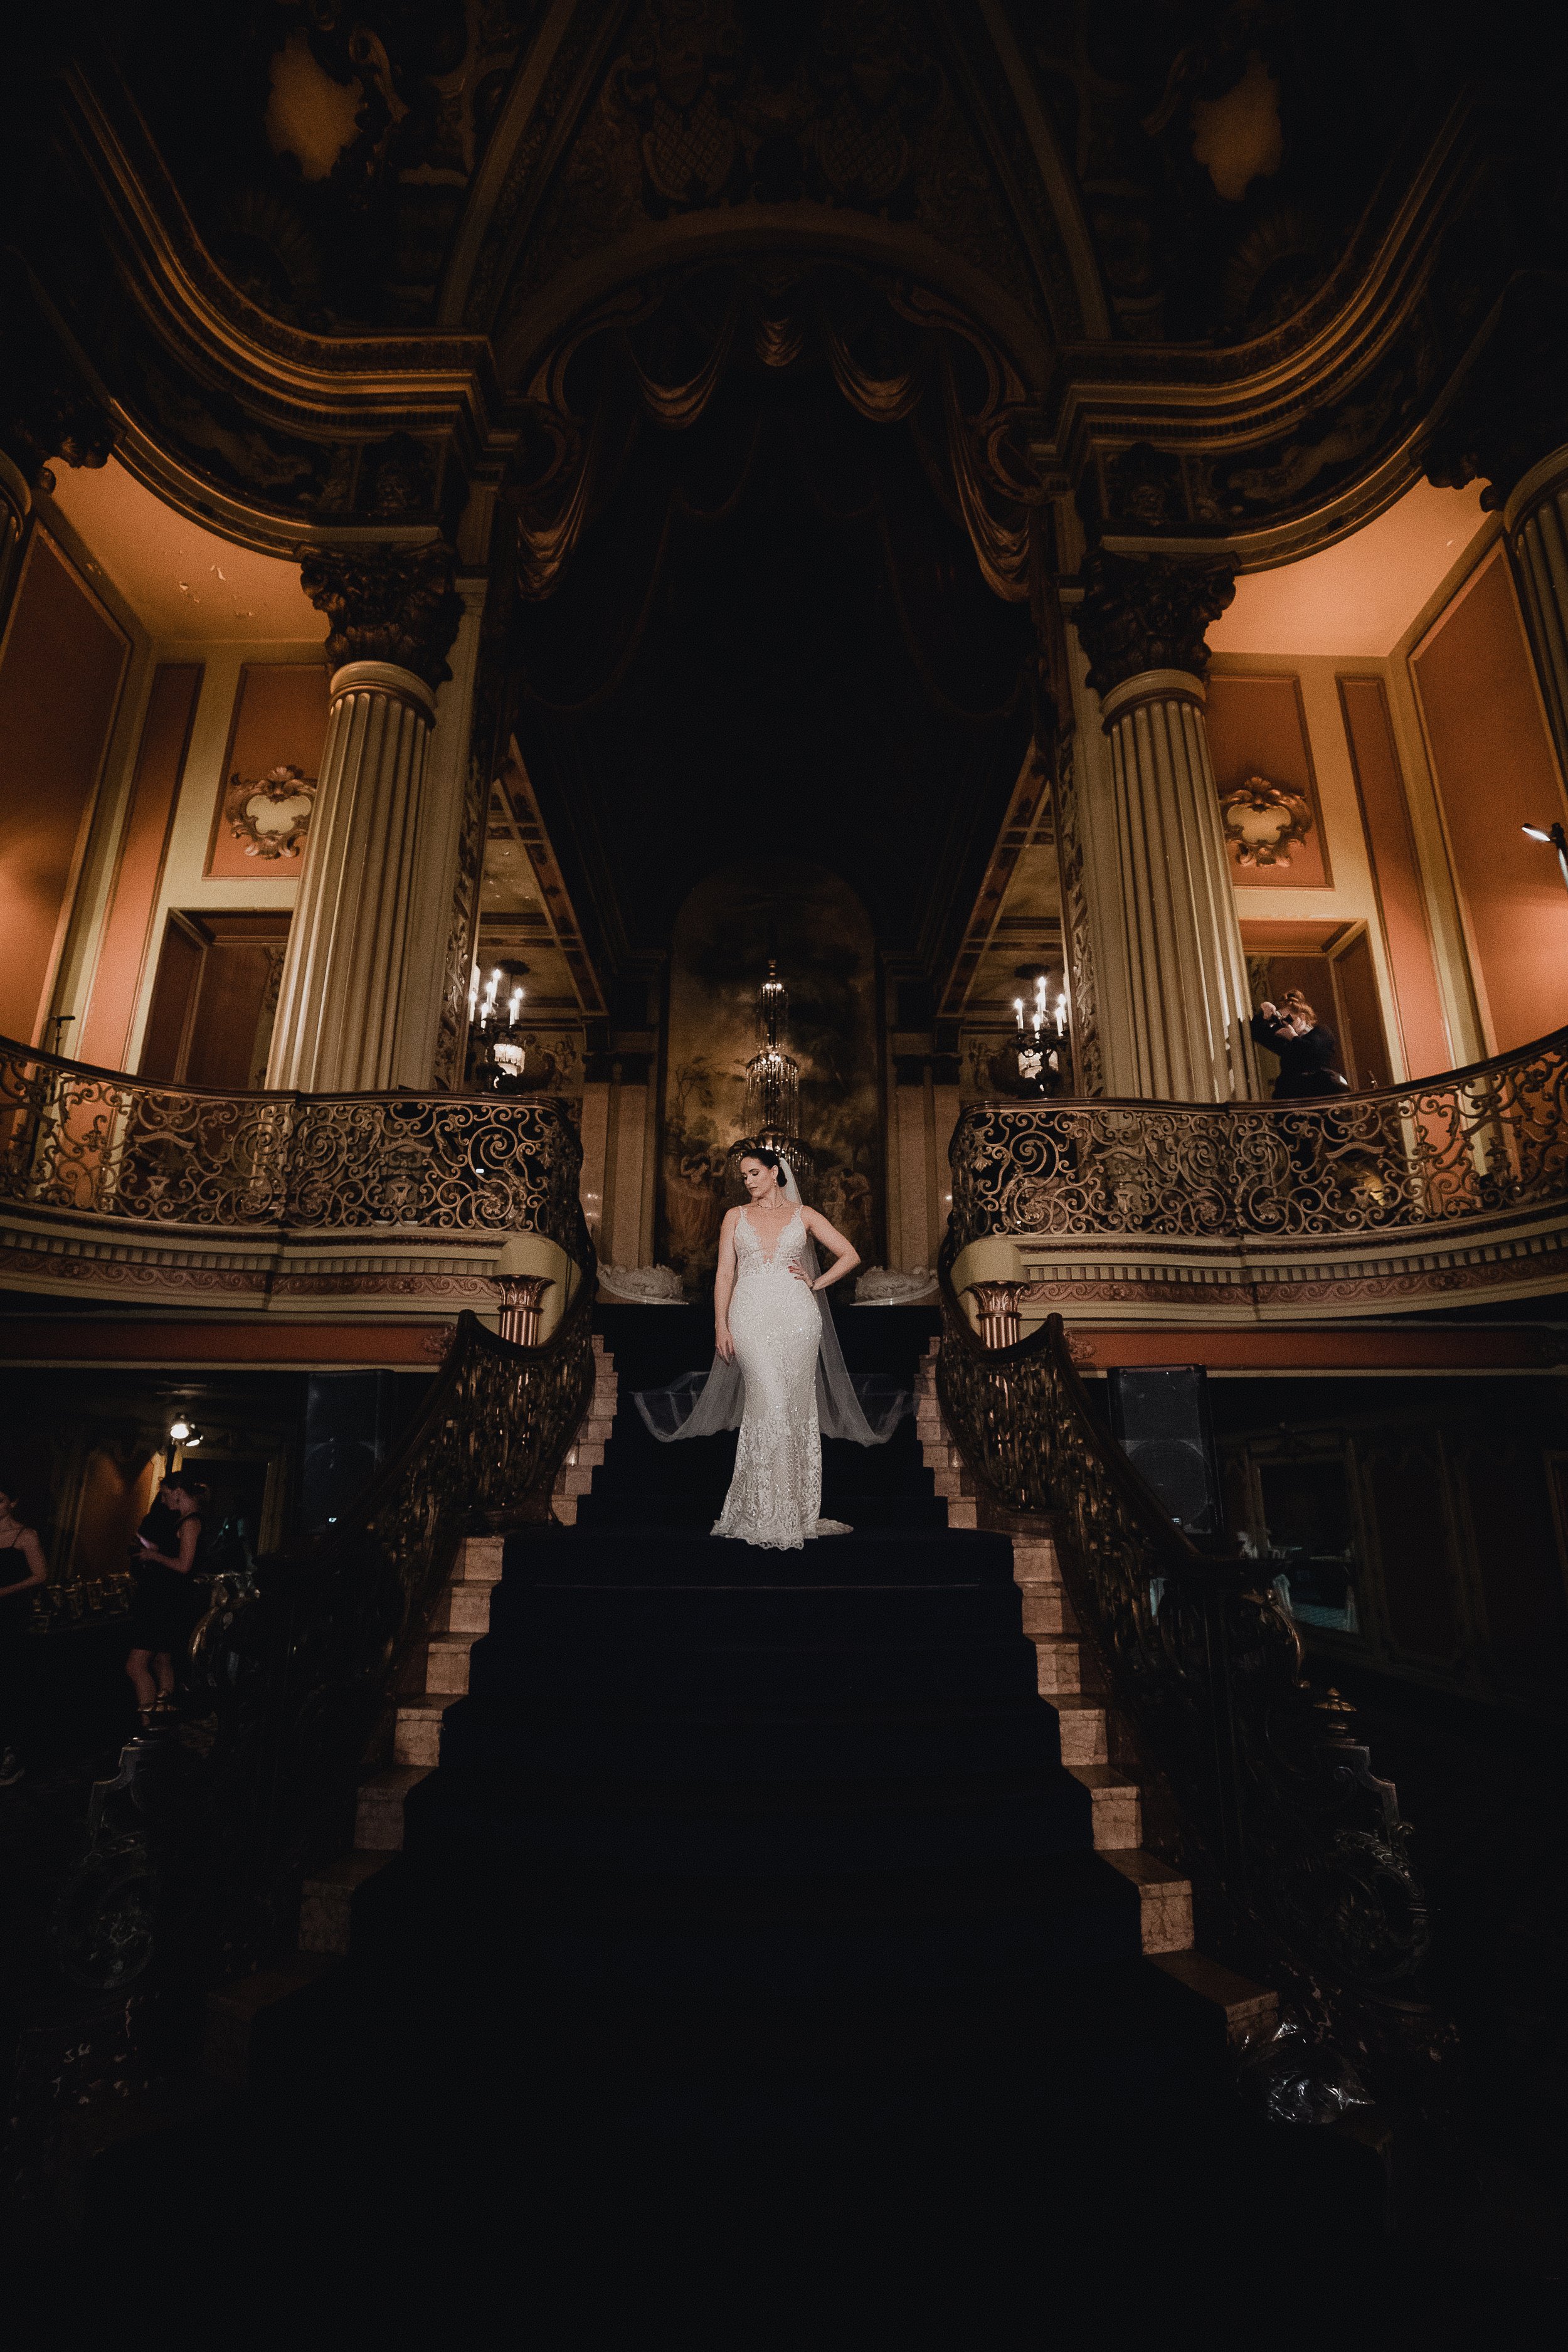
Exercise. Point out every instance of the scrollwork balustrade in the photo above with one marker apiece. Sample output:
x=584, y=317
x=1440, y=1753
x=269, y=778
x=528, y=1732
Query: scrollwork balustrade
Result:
x=92, y=1143
x=1274, y=1796
x=1478, y=1142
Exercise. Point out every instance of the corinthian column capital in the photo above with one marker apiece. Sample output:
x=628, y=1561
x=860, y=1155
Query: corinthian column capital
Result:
x=388, y=604
x=1149, y=613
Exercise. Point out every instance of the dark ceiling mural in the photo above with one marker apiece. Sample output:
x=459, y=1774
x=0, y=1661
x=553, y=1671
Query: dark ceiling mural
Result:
x=1222, y=152
x=325, y=151
x=1229, y=261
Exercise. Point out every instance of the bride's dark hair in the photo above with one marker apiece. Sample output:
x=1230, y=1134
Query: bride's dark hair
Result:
x=762, y=1151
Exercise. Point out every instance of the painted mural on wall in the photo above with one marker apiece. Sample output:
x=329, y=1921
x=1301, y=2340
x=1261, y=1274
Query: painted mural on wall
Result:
x=814, y=925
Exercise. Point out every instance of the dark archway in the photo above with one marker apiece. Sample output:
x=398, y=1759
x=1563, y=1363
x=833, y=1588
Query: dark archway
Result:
x=772, y=584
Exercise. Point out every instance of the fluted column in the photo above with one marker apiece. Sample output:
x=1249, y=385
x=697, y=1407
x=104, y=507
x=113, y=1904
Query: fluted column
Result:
x=1142, y=622
x=354, y=956
x=1535, y=519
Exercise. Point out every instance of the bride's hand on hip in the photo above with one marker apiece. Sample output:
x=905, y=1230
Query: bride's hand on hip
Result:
x=725, y=1345
x=801, y=1275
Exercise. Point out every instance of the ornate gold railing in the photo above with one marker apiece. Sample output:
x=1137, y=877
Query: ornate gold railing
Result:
x=1475, y=1143
x=1266, y=1792
x=298, y=1676
x=91, y=1142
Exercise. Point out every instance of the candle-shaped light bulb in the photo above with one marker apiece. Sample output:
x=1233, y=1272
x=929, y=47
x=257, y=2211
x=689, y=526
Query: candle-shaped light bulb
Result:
x=1018, y=1009
x=473, y=992
x=514, y=1008
x=1061, y=1015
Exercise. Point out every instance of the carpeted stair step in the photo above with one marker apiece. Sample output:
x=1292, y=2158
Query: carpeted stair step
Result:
x=826, y=1828
x=685, y=1618
x=663, y=1560
x=1003, y=1924
x=586, y=1678
x=918, y=1745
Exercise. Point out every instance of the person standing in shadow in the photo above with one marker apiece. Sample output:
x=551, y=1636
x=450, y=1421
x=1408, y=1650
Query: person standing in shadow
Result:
x=22, y=1573
x=163, y=1559
x=1309, y=1053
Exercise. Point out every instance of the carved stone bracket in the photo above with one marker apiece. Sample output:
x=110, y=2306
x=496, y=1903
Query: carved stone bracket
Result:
x=394, y=604
x=1149, y=613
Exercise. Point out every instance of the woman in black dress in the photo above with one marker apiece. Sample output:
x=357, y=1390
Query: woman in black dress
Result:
x=1309, y=1054
x=23, y=1571
x=164, y=1610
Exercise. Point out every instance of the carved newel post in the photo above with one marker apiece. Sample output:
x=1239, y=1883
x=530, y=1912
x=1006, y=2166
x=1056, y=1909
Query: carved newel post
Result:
x=1141, y=623
x=394, y=616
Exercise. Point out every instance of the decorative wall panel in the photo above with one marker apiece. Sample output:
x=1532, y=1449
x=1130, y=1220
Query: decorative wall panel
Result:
x=1267, y=789
x=60, y=676
x=122, y=954
x=1396, y=875
x=262, y=819
x=1494, y=769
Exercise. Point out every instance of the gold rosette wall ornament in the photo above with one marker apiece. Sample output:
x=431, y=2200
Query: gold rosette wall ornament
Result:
x=272, y=815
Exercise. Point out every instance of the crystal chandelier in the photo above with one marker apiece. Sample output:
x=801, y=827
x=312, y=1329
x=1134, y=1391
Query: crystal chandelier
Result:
x=772, y=1075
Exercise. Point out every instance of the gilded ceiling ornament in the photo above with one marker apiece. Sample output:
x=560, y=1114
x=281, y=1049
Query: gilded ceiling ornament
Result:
x=272, y=814
x=1264, y=821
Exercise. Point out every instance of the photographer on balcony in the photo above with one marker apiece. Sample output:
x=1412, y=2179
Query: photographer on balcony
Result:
x=164, y=1612
x=1308, y=1053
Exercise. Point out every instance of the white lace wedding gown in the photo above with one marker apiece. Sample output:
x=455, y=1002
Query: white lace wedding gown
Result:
x=775, y=1495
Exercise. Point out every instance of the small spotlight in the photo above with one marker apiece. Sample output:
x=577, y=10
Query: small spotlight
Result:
x=180, y=1431
x=1535, y=832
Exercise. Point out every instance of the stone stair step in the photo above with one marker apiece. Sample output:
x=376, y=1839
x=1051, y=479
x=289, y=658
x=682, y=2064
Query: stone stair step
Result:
x=1165, y=1899
x=1046, y=1610
x=1058, y=1668
x=326, y=1900
x=1117, y=1803
x=1081, y=1724
x=962, y=1514
x=447, y=1662
x=1242, y=2009
x=1035, y=1561
x=417, y=1733
x=563, y=1509
x=378, y=1817
x=463, y=1609
x=479, y=1561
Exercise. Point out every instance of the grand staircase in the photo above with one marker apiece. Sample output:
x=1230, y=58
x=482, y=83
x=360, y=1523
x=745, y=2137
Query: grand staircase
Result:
x=769, y=1926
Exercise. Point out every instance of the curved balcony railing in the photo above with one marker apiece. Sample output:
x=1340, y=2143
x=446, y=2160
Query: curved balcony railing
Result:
x=84, y=1142
x=1483, y=1142
x=1252, y=1780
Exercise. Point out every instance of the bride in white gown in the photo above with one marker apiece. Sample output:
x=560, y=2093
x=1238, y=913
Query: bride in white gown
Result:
x=777, y=1369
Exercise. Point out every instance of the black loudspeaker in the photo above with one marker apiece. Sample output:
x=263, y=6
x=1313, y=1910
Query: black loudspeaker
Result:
x=1160, y=1421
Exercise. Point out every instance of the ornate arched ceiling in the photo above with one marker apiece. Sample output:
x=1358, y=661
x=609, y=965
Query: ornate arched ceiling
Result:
x=313, y=258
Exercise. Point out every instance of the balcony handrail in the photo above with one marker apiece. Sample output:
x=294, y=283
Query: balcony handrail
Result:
x=1253, y=1782
x=91, y=1143
x=301, y=1678
x=1426, y=1154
